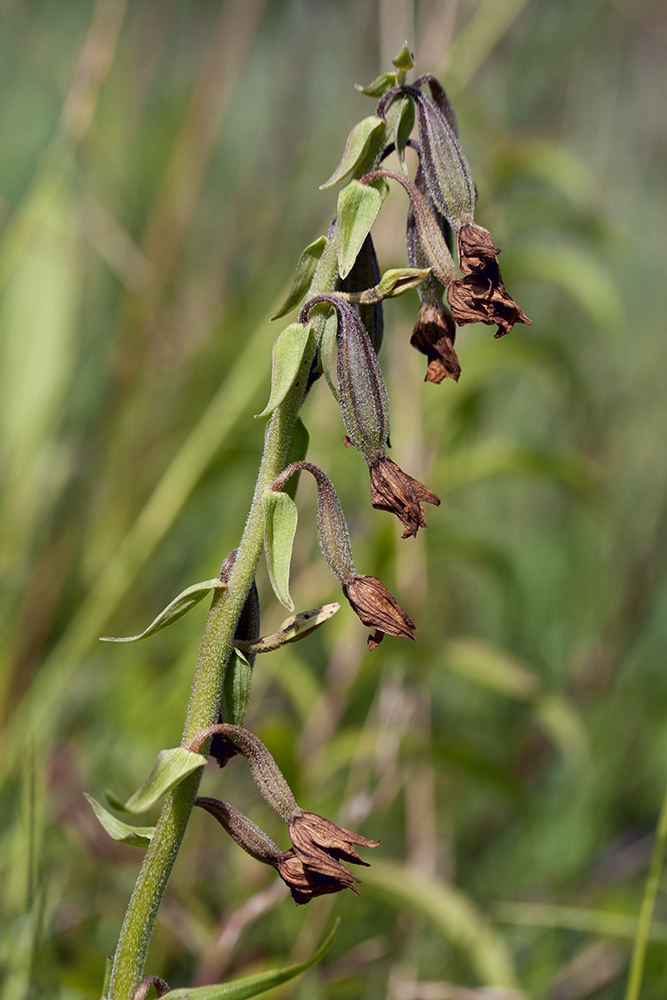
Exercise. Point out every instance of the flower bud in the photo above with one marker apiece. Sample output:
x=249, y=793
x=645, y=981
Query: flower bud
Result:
x=242, y=830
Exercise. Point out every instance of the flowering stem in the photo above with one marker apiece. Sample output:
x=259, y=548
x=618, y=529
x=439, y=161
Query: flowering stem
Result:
x=216, y=645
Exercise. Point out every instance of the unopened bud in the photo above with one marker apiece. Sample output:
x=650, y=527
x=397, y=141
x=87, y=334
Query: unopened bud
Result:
x=242, y=830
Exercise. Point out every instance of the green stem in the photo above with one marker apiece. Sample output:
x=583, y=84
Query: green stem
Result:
x=648, y=904
x=214, y=652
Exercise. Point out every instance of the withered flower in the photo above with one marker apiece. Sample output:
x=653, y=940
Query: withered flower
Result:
x=393, y=490
x=368, y=596
x=303, y=881
x=365, y=408
x=321, y=845
x=375, y=606
x=433, y=335
x=482, y=298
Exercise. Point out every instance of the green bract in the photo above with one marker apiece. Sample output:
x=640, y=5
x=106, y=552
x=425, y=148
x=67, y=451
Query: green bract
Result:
x=280, y=519
x=358, y=143
x=358, y=206
x=180, y=606
x=287, y=356
x=171, y=767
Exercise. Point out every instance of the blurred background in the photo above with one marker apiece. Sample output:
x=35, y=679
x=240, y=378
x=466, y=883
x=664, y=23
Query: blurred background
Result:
x=159, y=172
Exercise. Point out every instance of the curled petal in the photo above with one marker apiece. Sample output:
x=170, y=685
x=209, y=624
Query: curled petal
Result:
x=475, y=248
x=394, y=491
x=482, y=298
x=306, y=883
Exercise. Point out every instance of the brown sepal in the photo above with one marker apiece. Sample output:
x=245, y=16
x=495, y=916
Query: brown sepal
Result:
x=482, y=298
x=475, y=248
x=397, y=492
x=321, y=845
x=306, y=883
x=434, y=335
x=375, y=606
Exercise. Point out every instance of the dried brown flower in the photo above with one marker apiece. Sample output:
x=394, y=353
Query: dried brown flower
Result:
x=304, y=883
x=434, y=335
x=395, y=491
x=321, y=845
x=482, y=298
x=375, y=606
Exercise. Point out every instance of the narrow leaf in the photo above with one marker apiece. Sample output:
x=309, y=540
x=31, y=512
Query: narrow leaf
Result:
x=280, y=518
x=137, y=836
x=253, y=985
x=358, y=206
x=175, y=610
x=171, y=767
x=305, y=269
x=357, y=143
x=380, y=85
x=287, y=355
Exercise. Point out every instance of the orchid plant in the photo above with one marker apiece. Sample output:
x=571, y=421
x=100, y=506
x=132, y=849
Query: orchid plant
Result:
x=453, y=263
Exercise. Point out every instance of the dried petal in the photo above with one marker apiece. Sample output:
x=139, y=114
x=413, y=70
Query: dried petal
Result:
x=482, y=298
x=394, y=491
x=375, y=606
x=475, y=248
x=304, y=883
x=434, y=335
x=321, y=845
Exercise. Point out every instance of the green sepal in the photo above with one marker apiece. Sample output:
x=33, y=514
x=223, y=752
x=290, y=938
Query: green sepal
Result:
x=406, y=123
x=298, y=450
x=380, y=85
x=171, y=767
x=136, y=836
x=394, y=282
x=327, y=345
x=305, y=269
x=286, y=359
x=180, y=606
x=358, y=141
x=236, y=688
x=280, y=519
x=293, y=629
x=404, y=61
x=252, y=986
x=358, y=206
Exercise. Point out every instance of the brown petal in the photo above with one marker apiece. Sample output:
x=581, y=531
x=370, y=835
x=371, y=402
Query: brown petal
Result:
x=393, y=490
x=482, y=298
x=305, y=883
x=375, y=606
x=318, y=842
x=475, y=248
x=433, y=335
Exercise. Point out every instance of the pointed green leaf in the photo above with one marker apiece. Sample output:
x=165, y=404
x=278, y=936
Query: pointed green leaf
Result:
x=380, y=85
x=305, y=269
x=252, y=986
x=171, y=767
x=180, y=606
x=236, y=689
x=298, y=450
x=137, y=836
x=358, y=141
x=327, y=346
x=358, y=206
x=287, y=355
x=406, y=123
x=404, y=61
x=280, y=517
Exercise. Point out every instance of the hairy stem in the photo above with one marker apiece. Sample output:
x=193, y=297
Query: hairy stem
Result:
x=130, y=957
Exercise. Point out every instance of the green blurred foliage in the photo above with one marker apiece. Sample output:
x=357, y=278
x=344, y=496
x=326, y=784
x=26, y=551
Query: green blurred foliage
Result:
x=159, y=177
